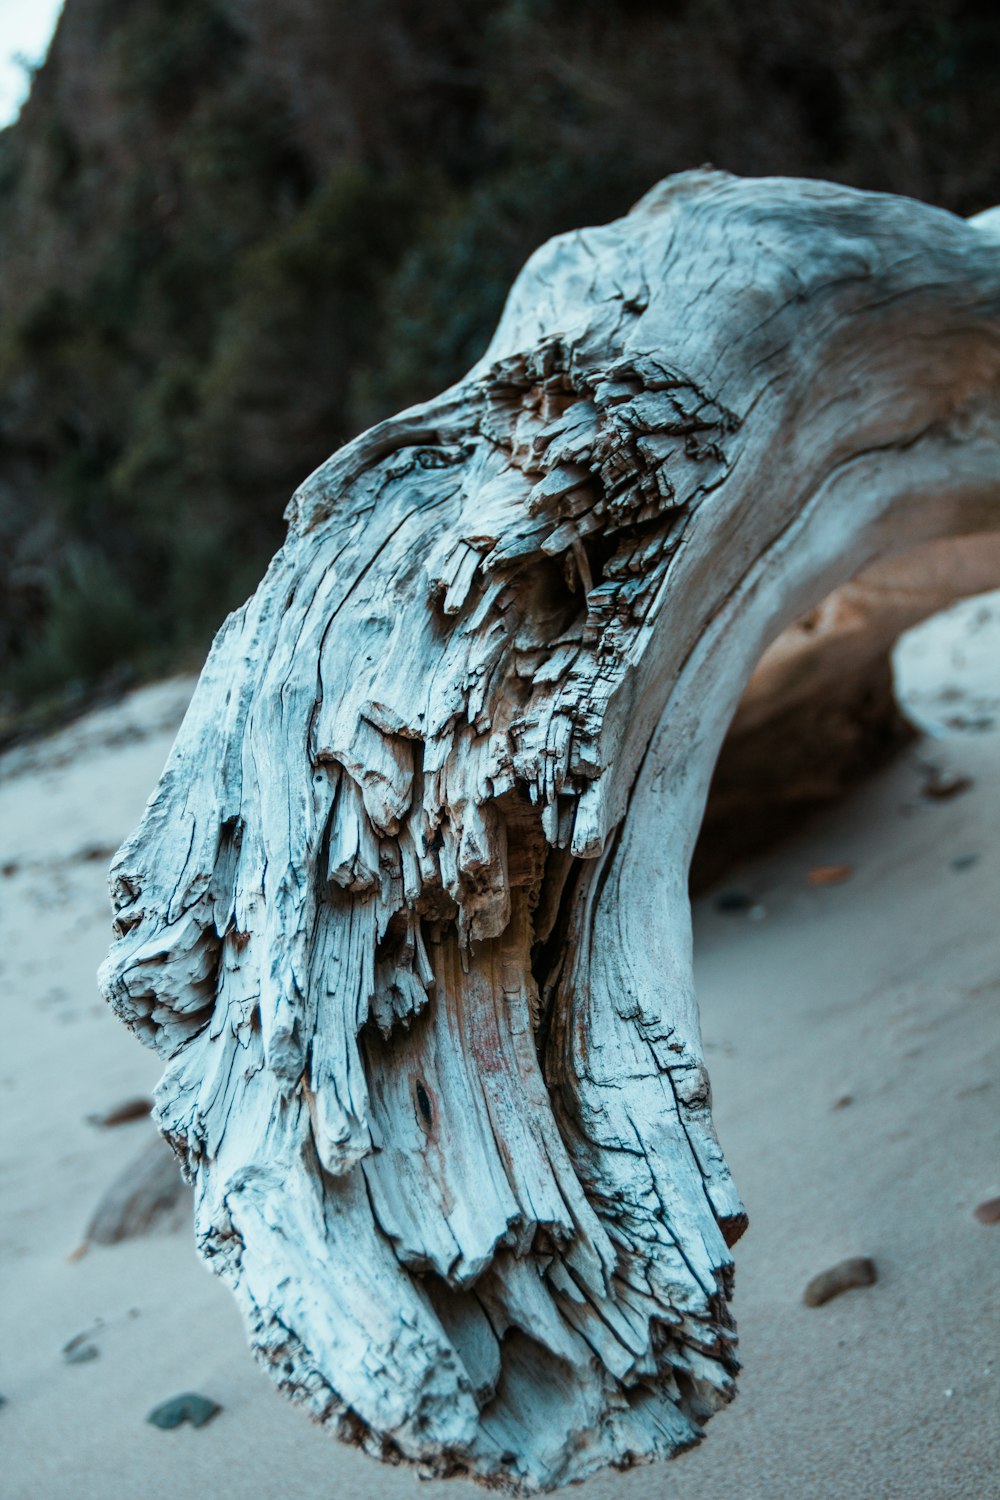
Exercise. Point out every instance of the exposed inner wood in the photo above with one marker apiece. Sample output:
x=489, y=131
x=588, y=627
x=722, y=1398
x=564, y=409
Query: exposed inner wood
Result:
x=819, y=712
x=407, y=915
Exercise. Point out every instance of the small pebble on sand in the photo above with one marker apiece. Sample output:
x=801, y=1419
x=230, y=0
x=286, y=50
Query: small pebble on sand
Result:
x=733, y=900
x=96, y=853
x=941, y=785
x=858, y=1270
x=189, y=1407
x=80, y=1350
x=830, y=875
x=81, y=1354
x=988, y=1212
x=121, y=1114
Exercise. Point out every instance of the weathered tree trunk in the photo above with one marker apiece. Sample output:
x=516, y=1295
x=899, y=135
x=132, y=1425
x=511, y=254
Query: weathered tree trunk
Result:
x=408, y=912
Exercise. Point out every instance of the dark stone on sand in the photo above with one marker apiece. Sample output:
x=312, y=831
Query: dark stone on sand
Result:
x=96, y=852
x=988, y=1212
x=858, y=1270
x=823, y=875
x=189, y=1407
x=733, y=900
x=120, y=1114
x=79, y=1350
x=940, y=785
x=80, y=1354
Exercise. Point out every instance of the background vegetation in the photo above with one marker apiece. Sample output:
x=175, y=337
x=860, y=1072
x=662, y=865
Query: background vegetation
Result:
x=233, y=232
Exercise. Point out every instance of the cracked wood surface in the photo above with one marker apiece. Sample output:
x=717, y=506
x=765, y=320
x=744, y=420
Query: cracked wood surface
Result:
x=407, y=914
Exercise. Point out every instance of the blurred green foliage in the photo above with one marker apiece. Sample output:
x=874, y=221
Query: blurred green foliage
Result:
x=237, y=233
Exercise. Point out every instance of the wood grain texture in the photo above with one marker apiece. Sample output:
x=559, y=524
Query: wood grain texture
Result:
x=407, y=915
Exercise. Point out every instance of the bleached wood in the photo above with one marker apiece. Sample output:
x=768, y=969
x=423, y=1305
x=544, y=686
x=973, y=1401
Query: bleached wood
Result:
x=407, y=914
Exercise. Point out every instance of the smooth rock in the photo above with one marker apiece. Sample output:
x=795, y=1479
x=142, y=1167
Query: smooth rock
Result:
x=121, y=1114
x=79, y=1350
x=734, y=900
x=858, y=1270
x=940, y=785
x=830, y=875
x=80, y=1354
x=189, y=1407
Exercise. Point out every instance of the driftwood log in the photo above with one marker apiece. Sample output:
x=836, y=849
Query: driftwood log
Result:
x=408, y=913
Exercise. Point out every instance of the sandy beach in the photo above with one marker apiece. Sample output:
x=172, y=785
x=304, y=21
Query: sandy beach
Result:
x=853, y=1036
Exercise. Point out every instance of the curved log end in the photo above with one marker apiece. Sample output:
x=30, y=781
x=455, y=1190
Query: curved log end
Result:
x=408, y=916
